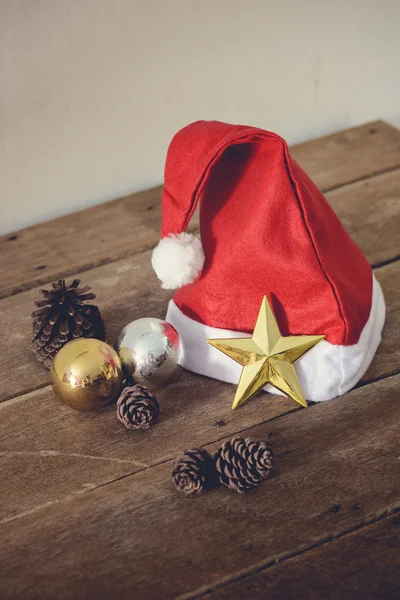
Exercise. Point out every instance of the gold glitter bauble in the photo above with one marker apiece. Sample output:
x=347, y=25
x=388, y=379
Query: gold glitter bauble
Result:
x=149, y=350
x=86, y=374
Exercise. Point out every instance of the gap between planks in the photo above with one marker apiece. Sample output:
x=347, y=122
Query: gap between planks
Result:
x=369, y=211
x=383, y=263
x=142, y=466
x=334, y=161
x=49, y=427
x=295, y=432
x=371, y=175
x=145, y=247
x=262, y=567
x=155, y=463
x=289, y=555
x=20, y=396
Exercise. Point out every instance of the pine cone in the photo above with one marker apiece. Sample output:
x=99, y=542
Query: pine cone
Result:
x=193, y=472
x=243, y=464
x=62, y=316
x=137, y=408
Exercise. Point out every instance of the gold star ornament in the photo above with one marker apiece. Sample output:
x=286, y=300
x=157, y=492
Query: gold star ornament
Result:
x=267, y=357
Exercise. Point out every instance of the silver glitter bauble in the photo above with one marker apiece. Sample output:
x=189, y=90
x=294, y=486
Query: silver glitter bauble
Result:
x=149, y=350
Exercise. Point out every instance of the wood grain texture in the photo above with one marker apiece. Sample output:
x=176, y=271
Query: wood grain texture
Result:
x=87, y=508
x=337, y=469
x=364, y=565
x=79, y=241
x=113, y=230
x=58, y=452
x=387, y=358
x=127, y=290
x=59, y=461
x=370, y=212
x=350, y=154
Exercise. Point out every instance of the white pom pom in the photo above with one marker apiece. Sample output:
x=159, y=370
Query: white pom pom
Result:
x=177, y=260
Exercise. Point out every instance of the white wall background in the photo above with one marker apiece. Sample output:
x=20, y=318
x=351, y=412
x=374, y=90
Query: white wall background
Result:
x=91, y=91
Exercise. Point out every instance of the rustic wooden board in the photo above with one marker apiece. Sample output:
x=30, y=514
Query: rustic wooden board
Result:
x=185, y=404
x=79, y=241
x=370, y=212
x=337, y=470
x=127, y=290
x=60, y=460
x=364, y=565
x=113, y=230
x=87, y=508
x=350, y=154
x=60, y=453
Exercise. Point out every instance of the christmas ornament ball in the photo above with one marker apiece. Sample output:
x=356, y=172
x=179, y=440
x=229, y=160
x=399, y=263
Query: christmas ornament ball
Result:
x=86, y=374
x=149, y=350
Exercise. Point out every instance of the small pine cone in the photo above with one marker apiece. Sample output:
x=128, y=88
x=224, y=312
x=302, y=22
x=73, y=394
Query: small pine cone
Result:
x=193, y=472
x=243, y=464
x=137, y=408
x=62, y=316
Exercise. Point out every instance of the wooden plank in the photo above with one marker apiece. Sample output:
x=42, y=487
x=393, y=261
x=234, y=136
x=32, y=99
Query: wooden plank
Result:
x=127, y=290
x=350, y=154
x=59, y=461
x=364, y=565
x=370, y=212
x=79, y=241
x=49, y=452
x=200, y=400
x=113, y=230
x=387, y=359
x=337, y=469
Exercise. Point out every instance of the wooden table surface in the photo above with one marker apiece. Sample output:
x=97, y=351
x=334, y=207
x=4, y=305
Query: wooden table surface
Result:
x=87, y=508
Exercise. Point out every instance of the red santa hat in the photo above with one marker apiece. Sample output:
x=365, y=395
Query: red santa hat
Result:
x=265, y=230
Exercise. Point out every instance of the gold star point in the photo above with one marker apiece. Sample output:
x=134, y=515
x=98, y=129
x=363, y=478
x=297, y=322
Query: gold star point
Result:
x=267, y=357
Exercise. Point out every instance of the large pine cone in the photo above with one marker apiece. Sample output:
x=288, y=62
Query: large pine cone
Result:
x=137, y=408
x=193, y=472
x=62, y=316
x=243, y=464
